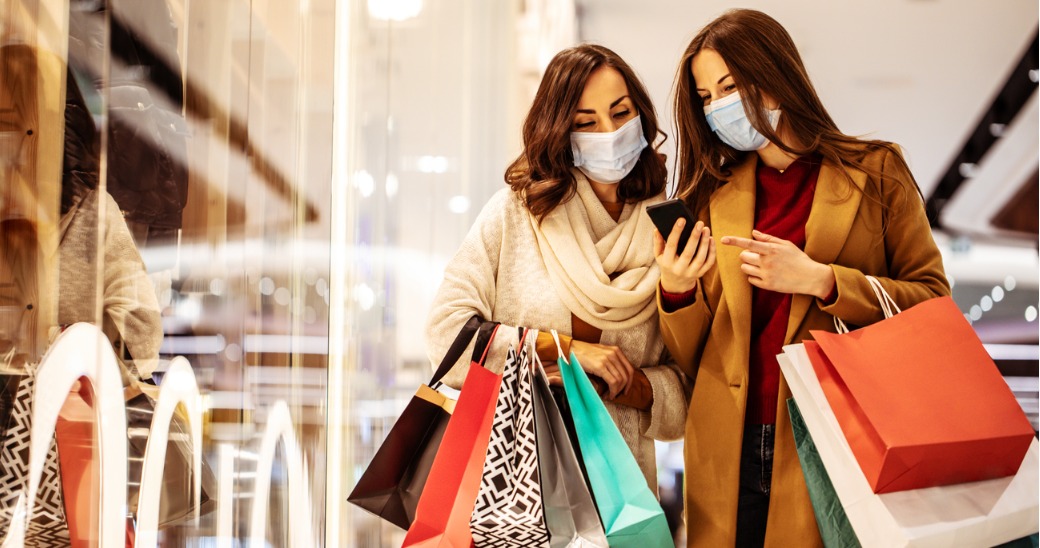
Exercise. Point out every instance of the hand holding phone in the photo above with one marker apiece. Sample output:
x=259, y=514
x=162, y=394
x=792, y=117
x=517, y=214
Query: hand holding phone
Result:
x=664, y=216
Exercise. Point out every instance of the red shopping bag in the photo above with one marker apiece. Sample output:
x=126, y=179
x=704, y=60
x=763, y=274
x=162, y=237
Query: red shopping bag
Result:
x=920, y=401
x=447, y=501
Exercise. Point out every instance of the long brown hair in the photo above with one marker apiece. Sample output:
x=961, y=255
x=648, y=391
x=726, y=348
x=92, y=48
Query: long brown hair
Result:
x=542, y=172
x=762, y=59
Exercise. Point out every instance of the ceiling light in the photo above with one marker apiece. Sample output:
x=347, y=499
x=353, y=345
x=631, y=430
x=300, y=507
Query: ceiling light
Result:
x=394, y=10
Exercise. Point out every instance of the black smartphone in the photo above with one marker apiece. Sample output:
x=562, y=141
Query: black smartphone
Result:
x=664, y=216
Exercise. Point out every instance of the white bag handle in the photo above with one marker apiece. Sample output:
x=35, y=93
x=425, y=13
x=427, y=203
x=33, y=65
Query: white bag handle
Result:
x=888, y=306
x=559, y=347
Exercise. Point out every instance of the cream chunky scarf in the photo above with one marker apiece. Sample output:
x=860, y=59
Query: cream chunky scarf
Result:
x=582, y=246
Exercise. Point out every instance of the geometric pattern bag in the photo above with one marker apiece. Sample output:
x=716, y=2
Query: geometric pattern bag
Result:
x=509, y=510
x=393, y=482
x=49, y=527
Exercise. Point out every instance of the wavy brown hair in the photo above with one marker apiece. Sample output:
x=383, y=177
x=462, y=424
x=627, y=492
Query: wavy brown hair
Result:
x=542, y=172
x=762, y=59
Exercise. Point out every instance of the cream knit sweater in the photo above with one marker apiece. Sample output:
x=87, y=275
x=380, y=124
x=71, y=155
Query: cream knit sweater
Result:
x=498, y=273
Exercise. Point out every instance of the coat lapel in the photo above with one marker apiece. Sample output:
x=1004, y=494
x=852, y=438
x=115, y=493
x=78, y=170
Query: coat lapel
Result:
x=833, y=211
x=733, y=214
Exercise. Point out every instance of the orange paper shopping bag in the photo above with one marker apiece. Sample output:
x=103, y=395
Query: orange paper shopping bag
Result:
x=920, y=401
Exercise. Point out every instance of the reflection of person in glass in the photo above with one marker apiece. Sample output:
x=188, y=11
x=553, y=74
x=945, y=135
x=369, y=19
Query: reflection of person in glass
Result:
x=804, y=213
x=130, y=310
x=565, y=247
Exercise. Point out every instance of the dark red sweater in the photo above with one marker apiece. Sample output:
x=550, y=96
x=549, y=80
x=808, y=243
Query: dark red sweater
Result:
x=782, y=204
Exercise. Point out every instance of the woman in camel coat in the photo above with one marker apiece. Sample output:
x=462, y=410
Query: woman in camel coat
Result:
x=802, y=214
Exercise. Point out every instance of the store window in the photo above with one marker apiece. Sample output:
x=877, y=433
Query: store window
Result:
x=166, y=172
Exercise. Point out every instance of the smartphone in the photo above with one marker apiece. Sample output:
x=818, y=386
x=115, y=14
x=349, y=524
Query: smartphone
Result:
x=664, y=216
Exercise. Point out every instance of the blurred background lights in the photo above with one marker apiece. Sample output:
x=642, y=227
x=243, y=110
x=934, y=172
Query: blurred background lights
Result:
x=365, y=296
x=394, y=10
x=267, y=286
x=458, y=204
x=1031, y=314
x=998, y=294
x=975, y=313
x=432, y=164
x=282, y=296
x=391, y=185
x=986, y=303
x=364, y=183
x=1009, y=283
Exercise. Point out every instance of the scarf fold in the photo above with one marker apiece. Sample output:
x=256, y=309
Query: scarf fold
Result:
x=582, y=246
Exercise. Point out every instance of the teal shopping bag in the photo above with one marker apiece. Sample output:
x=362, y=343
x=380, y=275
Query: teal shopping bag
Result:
x=631, y=514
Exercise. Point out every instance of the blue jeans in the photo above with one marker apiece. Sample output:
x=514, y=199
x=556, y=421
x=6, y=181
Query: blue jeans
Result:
x=756, y=476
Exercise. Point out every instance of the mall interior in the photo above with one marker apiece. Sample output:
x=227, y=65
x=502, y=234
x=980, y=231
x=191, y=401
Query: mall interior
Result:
x=295, y=175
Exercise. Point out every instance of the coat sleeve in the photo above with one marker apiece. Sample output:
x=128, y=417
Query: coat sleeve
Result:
x=468, y=288
x=685, y=331
x=914, y=264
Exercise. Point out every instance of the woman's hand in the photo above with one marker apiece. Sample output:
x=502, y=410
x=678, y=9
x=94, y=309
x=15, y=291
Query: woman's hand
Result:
x=680, y=273
x=779, y=265
x=606, y=362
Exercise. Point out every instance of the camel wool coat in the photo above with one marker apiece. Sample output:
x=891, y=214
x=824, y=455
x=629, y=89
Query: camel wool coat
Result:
x=880, y=229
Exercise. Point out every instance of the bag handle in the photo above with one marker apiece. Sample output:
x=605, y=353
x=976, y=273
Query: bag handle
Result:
x=458, y=346
x=485, y=335
x=888, y=305
x=559, y=347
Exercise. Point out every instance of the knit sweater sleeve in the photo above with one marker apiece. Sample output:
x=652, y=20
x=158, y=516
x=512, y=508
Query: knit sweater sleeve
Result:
x=469, y=288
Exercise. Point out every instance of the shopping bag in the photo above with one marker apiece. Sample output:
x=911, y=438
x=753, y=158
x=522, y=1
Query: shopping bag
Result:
x=920, y=400
x=834, y=525
x=509, y=511
x=49, y=526
x=629, y=511
x=446, y=504
x=178, y=497
x=835, y=529
x=394, y=480
x=570, y=513
x=984, y=513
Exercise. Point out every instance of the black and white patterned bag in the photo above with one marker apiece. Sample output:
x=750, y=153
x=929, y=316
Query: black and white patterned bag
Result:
x=49, y=527
x=509, y=510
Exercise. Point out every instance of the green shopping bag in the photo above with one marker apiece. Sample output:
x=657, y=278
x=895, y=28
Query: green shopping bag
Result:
x=631, y=515
x=835, y=529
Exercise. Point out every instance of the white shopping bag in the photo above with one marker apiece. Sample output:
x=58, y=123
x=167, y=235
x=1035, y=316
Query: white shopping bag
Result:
x=983, y=514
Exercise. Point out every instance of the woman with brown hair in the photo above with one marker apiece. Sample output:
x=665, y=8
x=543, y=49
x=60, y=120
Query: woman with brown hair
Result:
x=805, y=213
x=565, y=246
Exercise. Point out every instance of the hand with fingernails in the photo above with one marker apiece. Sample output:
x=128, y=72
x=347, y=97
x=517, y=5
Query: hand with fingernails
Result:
x=779, y=265
x=680, y=273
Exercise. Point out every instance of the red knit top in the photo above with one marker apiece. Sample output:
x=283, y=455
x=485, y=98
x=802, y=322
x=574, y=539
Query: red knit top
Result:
x=782, y=205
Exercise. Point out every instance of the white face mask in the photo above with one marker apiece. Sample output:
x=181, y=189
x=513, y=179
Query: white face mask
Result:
x=608, y=157
x=726, y=117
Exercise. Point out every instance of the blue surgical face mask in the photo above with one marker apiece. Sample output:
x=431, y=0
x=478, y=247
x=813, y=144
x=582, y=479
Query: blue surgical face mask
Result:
x=726, y=117
x=608, y=157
